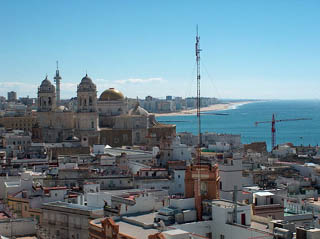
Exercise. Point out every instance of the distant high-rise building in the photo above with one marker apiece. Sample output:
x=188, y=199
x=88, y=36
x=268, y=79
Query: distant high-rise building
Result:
x=168, y=97
x=12, y=96
x=148, y=98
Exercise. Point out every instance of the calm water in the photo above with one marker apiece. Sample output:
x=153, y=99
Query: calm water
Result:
x=241, y=120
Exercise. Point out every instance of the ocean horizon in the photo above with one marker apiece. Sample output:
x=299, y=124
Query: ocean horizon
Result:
x=241, y=118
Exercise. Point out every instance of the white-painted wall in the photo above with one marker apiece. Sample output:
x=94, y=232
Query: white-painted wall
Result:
x=177, y=182
x=135, y=167
x=183, y=203
x=230, y=175
x=219, y=147
x=144, y=203
x=202, y=228
x=221, y=224
x=98, y=199
x=180, y=151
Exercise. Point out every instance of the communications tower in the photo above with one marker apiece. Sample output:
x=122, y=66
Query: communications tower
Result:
x=57, y=80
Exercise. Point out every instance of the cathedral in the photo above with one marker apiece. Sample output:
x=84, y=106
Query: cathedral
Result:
x=104, y=120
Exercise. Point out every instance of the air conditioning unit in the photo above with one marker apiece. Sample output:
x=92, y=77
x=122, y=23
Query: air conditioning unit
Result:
x=281, y=233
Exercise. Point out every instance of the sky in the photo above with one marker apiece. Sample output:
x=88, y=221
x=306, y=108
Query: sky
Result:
x=251, y=49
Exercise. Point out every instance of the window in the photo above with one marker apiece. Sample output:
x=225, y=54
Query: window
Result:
x=92, y=124
x=125, y=137
x=221, y=236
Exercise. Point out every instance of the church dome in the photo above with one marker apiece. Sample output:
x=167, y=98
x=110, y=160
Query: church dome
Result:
x=111, y=95
x=86, y=80
x=86, y=84
x=138, y=110
x=61, y=108
x=46, y=86
x=46, y=82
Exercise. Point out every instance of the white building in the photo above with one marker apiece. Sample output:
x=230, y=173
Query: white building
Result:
x=126, y=202
x=180, y=151
x=230, y=171
x=219, y=147
x=283, y=150
x=230, y=222
x=177, y=182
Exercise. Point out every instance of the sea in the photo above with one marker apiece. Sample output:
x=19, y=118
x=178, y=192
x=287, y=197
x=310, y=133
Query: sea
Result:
x=241, y=120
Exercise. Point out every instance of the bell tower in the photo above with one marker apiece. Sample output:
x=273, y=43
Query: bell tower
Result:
x=87, y=95
x=46, y=96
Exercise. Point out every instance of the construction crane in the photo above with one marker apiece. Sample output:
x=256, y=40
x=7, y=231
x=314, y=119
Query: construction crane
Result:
x=273, y=126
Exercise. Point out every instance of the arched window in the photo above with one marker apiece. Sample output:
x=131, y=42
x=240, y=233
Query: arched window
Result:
x=90, y=100
x=85, y=102
x=49, y=101
x=80, y=101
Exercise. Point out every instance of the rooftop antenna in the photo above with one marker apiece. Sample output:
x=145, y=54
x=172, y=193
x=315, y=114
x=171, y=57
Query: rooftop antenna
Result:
x=57, y=80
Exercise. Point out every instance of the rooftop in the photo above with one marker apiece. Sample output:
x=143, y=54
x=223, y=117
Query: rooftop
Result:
x=119, y=151
x=71, y=206
x=226, y=203
x=132, y=229
x=263, y=194
x=135, y=231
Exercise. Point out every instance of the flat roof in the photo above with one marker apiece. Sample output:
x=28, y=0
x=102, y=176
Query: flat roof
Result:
x=175, y=232
x=147, y=218
x=260, y=226
x=226, y=203
x=263, y=194
x=135, y=231
x=71, y=206
x=118, y=151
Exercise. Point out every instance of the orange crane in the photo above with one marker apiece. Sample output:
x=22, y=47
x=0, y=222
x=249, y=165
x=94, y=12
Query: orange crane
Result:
x=273, y=126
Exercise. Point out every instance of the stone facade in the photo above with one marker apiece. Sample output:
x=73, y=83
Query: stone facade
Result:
x=103, y=120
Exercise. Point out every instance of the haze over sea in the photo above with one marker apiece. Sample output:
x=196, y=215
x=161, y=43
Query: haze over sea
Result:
x=241, y=120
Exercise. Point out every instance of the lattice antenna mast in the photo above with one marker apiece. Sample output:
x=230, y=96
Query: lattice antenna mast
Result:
x=198, y=96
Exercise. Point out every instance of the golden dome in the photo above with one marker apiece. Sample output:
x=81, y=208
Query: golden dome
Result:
x=111, y=94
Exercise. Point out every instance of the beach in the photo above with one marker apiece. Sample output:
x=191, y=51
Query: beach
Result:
x=215, y=107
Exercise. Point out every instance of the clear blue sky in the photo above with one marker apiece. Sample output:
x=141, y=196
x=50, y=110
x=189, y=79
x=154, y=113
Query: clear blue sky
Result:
x=251, y=48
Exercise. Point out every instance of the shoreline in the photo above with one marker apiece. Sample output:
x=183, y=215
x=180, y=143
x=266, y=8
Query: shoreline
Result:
x=215, y=107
